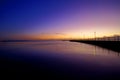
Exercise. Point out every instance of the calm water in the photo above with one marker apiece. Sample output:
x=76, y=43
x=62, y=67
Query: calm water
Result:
x=62, y=56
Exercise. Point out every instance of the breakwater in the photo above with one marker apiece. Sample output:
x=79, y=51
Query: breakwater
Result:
x=112, y=45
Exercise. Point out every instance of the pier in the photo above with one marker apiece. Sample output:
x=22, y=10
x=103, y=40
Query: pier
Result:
x=112, y=45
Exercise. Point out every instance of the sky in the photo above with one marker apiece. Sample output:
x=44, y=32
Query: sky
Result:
x=59, y=19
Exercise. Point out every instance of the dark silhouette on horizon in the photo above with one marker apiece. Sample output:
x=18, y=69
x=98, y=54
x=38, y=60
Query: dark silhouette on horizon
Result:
x=112, y=43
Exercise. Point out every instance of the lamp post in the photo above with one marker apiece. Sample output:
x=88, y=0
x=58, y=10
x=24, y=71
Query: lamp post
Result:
x=95, y=35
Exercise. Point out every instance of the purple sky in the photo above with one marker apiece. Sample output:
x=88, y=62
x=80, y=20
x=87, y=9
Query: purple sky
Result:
x=48, y=19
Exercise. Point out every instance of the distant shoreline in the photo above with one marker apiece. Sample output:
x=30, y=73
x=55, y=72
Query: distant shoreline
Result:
x=25, y=40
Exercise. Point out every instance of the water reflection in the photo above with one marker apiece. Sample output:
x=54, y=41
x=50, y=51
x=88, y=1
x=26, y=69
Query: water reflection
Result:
x=104, y=50
x=62, y=47
x=94, y=51
x=77, y=54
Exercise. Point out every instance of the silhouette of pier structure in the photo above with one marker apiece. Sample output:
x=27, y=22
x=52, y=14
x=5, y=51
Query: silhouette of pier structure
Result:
x=112, y=43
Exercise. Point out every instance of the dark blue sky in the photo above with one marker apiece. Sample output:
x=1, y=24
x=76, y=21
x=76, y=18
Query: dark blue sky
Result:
x=36, y=17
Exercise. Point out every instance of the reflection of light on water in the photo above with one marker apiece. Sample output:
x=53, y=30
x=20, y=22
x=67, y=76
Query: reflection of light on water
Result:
x=94, y=53
x=61, y=47
x=68, y=51
x=118, y=54
x=103, y=50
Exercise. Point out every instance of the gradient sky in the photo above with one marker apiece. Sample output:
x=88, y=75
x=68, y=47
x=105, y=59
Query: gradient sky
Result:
x=53, y=19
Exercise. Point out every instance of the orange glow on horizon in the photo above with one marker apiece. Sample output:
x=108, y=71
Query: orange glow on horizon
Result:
x=71, y=35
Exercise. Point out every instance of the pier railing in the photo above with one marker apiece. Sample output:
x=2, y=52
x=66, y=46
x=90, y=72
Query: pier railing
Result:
x=113, y=38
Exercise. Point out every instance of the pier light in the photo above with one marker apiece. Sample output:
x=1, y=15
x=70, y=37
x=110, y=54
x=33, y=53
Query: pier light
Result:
x=95, y=35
